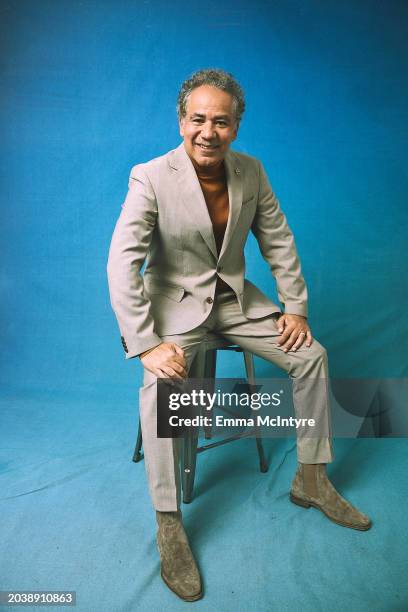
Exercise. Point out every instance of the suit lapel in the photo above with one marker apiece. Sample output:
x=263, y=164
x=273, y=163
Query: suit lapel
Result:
x=192, y=196
x=234, y=180
x=193, y=199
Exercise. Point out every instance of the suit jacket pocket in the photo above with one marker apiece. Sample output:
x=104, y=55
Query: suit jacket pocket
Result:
x=154, y=287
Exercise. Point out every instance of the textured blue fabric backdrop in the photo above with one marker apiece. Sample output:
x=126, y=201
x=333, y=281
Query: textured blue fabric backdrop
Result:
x=88, y=89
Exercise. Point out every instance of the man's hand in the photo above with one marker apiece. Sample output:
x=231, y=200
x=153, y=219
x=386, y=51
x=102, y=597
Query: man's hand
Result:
x=165, y=361
x=295, y=331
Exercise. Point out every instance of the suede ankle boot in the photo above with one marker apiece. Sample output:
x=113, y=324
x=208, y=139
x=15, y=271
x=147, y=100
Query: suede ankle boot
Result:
x=311, y=487
x=178, y=567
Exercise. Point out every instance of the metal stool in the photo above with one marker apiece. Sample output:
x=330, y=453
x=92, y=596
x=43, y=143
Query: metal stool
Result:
x=204, y=366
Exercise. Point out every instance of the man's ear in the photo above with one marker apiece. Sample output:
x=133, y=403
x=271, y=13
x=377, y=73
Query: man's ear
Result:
x=181, y=126
x=235, y=133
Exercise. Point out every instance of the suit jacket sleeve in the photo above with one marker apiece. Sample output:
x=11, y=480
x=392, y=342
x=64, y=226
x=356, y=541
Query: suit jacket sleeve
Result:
x=278, y=248
x=129, y=246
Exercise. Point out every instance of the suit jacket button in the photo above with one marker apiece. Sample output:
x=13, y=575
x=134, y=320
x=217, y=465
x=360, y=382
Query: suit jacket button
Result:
x=209, y=300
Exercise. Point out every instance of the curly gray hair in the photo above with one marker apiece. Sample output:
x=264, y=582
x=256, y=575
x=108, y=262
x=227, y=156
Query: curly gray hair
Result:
x=216, y=78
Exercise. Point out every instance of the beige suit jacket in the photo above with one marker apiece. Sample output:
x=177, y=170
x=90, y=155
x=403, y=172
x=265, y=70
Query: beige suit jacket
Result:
x=165, y=222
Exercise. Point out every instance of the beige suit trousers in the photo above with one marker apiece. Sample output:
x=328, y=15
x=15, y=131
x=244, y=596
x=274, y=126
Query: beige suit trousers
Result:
x=260, y=337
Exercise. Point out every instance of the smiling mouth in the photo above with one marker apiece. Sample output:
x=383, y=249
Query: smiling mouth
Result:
x=206, y=147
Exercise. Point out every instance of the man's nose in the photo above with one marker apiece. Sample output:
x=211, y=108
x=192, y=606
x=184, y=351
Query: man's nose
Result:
x=207, y=131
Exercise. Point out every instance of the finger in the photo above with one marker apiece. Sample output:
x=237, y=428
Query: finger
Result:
x=309, y=338
x=178, y=368
x=281, y=324
x=291, y=341
x=176, y=355
x=178, y=350
x=301, y=338
x=161, y=373
x=171, y=372
x=178, y=359
x=285, y=336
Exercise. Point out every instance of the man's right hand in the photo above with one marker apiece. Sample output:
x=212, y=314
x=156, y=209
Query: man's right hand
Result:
x=165, y=361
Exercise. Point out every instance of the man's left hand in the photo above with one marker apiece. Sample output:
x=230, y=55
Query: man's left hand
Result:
x=295, y=331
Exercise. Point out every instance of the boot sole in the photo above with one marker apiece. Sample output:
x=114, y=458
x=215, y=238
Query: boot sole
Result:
x=183, y=597
x=306, y=504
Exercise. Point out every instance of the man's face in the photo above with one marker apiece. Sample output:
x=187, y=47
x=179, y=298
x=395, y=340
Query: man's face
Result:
x=209, y=125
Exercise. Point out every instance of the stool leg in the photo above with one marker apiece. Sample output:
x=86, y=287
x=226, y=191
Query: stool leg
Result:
x=249, y=368
x=137, y=455
x=250, y=373
x=263, y=465
x=188, y=463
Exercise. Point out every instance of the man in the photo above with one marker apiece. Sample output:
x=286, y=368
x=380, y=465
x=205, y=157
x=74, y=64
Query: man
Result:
x=189, y=213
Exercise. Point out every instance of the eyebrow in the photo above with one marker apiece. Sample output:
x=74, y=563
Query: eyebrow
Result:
x=201, y=115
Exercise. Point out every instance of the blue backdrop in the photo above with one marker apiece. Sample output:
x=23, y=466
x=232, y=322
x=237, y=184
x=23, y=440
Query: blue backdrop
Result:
x=89, y=88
